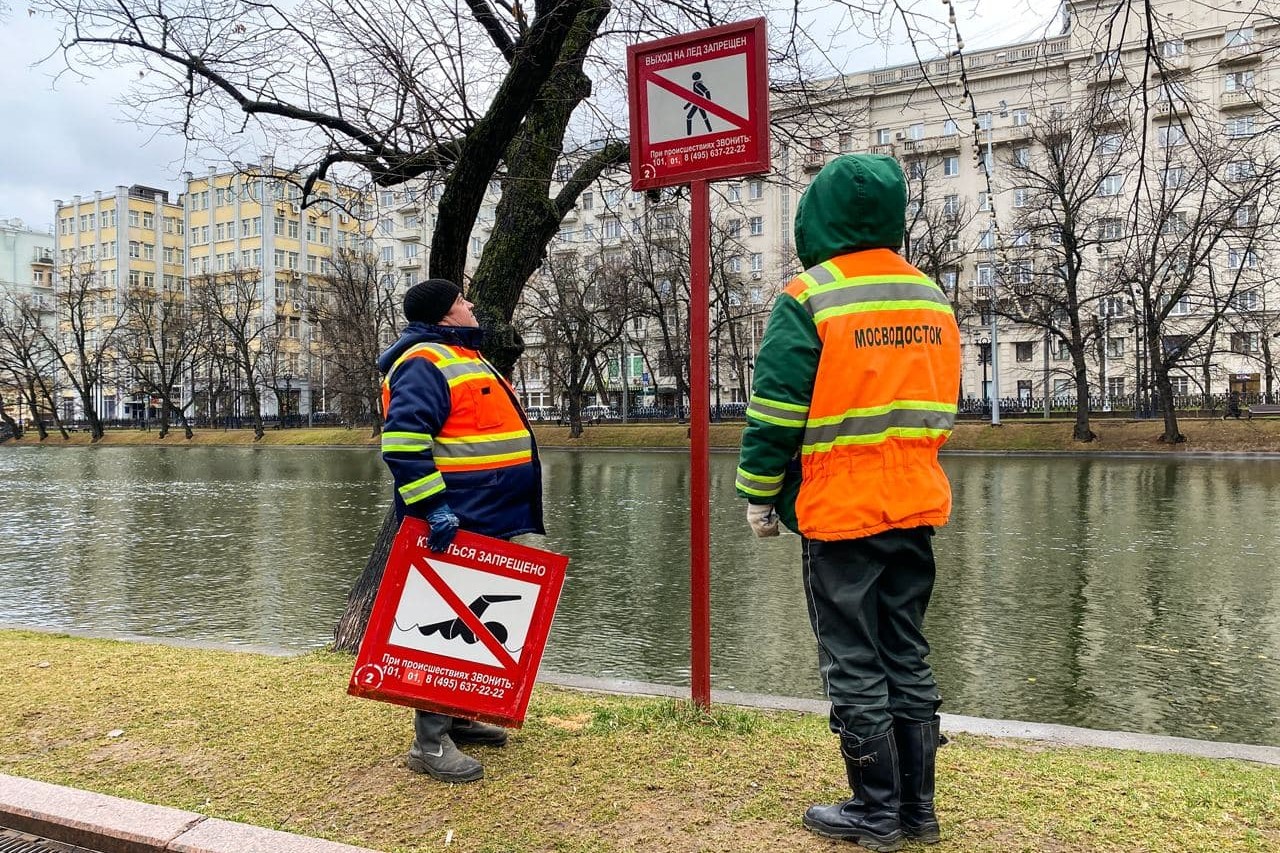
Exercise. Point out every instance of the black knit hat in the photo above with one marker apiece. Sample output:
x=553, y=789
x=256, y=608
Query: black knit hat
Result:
x=428, y=301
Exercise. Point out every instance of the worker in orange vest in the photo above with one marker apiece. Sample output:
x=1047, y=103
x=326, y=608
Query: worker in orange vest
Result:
x=462, y=455
x=854, y=391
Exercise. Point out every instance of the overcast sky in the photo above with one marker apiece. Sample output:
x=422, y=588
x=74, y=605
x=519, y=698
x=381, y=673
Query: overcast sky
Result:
x=65, y=137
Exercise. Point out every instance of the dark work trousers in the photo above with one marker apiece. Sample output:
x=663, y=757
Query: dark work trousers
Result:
x=867, y=599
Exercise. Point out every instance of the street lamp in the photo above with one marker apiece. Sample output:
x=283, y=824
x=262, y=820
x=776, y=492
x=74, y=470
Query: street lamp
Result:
x=288, y=391
x=984, y=358
x=991, y=247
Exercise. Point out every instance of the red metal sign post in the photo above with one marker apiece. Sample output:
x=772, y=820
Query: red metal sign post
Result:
x=699, y=106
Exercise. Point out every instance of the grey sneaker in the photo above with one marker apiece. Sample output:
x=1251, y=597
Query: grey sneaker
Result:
x=444, y=762
x=482, y=734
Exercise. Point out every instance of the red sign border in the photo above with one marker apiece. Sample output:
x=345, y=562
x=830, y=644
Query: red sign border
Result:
x=509, y=711
x=757, y=96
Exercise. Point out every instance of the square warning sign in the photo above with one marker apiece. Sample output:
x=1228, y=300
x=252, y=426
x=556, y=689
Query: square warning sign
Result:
x=699, y=106
x=459, y=632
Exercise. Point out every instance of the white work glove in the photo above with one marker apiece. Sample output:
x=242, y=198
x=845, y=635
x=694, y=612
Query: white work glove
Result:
x=763, y=520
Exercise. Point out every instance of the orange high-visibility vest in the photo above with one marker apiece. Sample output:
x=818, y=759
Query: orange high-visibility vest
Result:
x=484, y=429
x=884, y=397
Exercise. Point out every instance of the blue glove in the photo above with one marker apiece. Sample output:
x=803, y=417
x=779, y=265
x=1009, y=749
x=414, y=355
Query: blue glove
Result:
x=444, y=526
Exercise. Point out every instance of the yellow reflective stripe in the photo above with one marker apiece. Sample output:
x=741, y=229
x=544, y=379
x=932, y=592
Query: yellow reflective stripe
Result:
x=874, y=438
x=407, y=354
x=405, y=442
x=468, y=461
x=777, y=412
x=424, y=488
x=896, y=405
x=469, y=376
x=488, y=436
x=760, y=485
x=863, y=280
x=886, y=305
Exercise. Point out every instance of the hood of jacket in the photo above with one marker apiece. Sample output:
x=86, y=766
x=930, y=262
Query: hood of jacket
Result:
x=422, y=333
x=857, y=201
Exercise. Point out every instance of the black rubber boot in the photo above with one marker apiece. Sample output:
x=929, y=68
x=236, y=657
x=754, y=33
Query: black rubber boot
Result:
x=474, y=731
x=918, y=749
x=870, y=816
x=434, y=753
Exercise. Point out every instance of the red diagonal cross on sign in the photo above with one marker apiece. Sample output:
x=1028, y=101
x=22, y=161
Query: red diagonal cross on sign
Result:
x=701, y=102
x=468, y=618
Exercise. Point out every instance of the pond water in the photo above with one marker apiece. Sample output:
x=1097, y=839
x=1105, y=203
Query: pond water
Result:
x=1134, y=594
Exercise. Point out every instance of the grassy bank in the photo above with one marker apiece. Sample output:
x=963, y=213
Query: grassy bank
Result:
x=1256, y=436
x=276, y=742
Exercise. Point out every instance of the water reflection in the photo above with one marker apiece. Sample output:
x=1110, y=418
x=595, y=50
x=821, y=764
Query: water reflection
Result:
x=1131, y=594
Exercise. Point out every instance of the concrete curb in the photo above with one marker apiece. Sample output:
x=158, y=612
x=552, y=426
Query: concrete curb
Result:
x=115, y=825
x=953, y=723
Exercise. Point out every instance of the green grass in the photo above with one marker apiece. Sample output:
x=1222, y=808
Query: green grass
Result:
x=1260, y=435
x=277, y=742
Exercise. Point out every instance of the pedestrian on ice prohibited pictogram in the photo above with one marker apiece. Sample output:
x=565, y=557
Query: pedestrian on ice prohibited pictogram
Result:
x=699, y=106
x=459, y=632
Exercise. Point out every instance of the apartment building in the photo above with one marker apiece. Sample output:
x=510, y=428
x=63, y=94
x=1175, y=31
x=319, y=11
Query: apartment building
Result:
x=106, y=244
x=245, y=225
x=1219, y=66
x=26, y=276
x=248, y=227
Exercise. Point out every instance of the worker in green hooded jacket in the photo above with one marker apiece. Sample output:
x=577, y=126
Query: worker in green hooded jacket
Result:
x=854, y=392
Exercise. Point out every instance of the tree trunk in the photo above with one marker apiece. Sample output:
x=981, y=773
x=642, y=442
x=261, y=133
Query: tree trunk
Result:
x=1081, y=431
x=8, y=419
x=33, y=405
x=350, y=628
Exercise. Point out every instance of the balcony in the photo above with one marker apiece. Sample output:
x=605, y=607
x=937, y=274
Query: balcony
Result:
x=42, y=257
x=814, y=161
x=1166, y=109
x=886, y=149
x=1170, y=65
x=931, y=145
x=1010, y=135
x=1239, y=100
x=1247, y=53
x=408, y=263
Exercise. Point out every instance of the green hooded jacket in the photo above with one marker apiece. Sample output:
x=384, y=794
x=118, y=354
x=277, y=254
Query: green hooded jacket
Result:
x=857, y=202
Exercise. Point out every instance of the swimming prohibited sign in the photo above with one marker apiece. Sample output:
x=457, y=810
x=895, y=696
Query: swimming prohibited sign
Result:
x=459, y=632
x=699, y=106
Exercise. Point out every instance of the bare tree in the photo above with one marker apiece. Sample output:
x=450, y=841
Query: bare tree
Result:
x=1206, y=214
x=84, y=336
x=29, y=362
x=354, y=311
x=1069, y=196
x=158, y=340
x=581, y=307
x=241, y=328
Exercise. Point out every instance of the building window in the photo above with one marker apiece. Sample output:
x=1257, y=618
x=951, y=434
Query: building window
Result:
x=1239, y=37
x=1245, y=216
x=1024, y=350
x=1174, y=177
x=1111, y=185
x=1245, y=300
x=951, y=205
x=884, y=136
x=950, y=128
x=135, y=249
x=1115, y=347
x=1060, y=352
x=410, y=251
x=1241, y=170
x=757, y=226
x=757, y=262
x=844, y=142
x=1238, y=81
x=755, y=190
x=1021, y=197
x=916, y=131
x=1171, y=135
x=735, y=192
x=1172, y=47
x=1239, y=127
x=134, y=219
x=1241, y=259
x=950, y=166
x=1022, y=156
x=612, y=229
x=1246, y=343
x=1021, y=117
